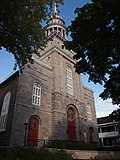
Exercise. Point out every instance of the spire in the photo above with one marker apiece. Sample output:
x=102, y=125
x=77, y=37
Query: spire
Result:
x=56, y=11
x=55, y=7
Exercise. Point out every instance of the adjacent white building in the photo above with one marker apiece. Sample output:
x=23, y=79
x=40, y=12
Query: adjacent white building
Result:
x=109, y=131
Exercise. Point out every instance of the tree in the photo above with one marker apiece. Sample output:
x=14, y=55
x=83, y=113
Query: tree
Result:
x=95, y=36
x=115, y=115
x=21, y=31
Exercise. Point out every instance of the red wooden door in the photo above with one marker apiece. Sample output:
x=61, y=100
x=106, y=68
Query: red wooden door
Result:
x=71, y=125
x=91, y=134
x=33, y=126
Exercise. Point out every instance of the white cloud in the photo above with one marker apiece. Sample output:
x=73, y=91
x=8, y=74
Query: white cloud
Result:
x=104, y=108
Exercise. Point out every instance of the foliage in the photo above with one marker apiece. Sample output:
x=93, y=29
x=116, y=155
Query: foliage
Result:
x=115, y=115
x=79, y=145
x=74, y=145
x=21, y=31
x=35, y=154
x=41, y=154
x=95, y=36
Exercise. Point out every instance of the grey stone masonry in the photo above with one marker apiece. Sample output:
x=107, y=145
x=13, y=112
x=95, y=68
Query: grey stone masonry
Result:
x=49, y=70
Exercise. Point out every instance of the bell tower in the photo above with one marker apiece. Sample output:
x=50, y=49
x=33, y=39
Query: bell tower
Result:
x=56, y=25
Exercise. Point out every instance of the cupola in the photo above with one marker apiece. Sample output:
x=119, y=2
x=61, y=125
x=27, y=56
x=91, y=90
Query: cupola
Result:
x=56, y=25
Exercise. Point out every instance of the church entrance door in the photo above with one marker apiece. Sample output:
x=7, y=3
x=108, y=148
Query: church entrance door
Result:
x=71, y=124
x=33, y=126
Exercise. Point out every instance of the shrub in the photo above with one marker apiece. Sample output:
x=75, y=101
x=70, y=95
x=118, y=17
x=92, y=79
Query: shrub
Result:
x=35, y=154
x=75, y=145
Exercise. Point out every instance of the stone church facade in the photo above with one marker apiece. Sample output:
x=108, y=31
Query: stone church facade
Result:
x=47, y=100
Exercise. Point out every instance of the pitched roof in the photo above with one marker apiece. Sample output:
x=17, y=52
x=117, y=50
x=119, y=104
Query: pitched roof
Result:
x=10, y=78
x=106, y=119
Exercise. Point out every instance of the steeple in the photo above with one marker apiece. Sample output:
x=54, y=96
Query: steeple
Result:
x=56, y=25
x=56, y=11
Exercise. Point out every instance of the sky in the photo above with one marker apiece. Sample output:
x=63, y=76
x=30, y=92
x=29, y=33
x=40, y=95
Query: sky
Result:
x=103, y=108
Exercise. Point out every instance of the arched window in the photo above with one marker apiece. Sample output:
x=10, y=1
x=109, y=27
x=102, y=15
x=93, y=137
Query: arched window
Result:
x=4, y=111
x=89, y=113
x=91, y=134
x=69, y=80
x=36, y=95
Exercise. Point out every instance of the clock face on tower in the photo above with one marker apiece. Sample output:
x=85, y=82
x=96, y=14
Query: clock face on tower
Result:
x=71, y=114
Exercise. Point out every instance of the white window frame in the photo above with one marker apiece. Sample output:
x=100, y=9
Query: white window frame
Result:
x=69, y=80
x=4, y=111
x=89, y=112
x=36, y=94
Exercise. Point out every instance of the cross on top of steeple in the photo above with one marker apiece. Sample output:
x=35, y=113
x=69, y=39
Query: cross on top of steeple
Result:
x=56, y=11
x=55, y=7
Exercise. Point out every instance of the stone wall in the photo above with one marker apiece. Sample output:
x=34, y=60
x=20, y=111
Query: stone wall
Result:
x=9, y=85
x=50, y=72
x=24, y=107
x=86, y=154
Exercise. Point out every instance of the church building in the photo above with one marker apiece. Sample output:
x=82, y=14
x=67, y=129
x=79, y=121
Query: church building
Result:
x=47, y=100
